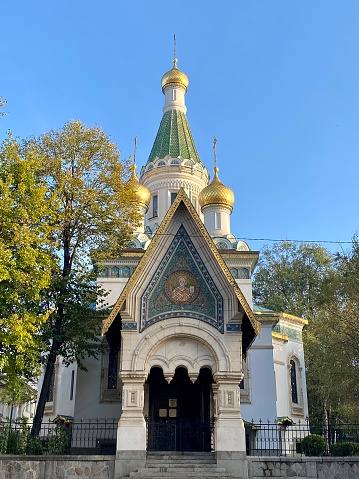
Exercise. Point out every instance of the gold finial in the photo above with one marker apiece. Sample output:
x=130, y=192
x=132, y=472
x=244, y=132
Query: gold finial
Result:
x=174, y=51
x=215, y=169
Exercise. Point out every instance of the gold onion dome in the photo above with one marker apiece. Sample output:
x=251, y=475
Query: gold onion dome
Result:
x=175, y=76
x=216, y=193
x=142, y=194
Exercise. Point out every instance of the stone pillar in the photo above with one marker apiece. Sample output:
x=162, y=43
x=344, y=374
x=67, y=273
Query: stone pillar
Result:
x=230, y=438
x=131, y=432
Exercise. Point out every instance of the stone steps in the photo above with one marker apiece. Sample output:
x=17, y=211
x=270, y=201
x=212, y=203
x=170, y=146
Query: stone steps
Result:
x=180, y=466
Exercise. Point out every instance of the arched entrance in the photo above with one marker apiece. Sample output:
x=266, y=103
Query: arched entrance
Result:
x=179, y=413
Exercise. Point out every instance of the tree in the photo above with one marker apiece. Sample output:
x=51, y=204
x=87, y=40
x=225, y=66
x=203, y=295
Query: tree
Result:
x=25, y=260
x=290, y=276
x=94, y=218
x=332, y=342
x=307, y=281
x=16, y=391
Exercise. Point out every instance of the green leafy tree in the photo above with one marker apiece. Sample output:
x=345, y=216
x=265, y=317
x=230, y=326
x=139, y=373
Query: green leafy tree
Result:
x=307, y=281
x=289, y=277
x=26, y=260
x=332, y=342
x=94, y=218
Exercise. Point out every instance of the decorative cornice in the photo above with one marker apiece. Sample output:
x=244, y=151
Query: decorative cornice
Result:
x=296, y=319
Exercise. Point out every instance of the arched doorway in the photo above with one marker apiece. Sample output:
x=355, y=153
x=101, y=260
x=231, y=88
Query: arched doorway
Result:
x=179, y=413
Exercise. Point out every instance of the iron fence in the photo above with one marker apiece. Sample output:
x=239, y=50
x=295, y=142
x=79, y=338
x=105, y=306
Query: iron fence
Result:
x=285, y=438
x=91, y=436
x=98, y=436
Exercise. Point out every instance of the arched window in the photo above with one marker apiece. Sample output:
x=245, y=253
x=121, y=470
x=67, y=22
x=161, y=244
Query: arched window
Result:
x=115, y=272
x=103, y=273
x=222, y=245
x=244, y=273
x=112, y=369
x=293, y=381
x=110, y=384
x=234, y=272
x=125, y=272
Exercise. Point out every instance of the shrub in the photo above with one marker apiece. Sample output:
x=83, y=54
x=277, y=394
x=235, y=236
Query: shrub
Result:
x=345, y=449
x=314, y=445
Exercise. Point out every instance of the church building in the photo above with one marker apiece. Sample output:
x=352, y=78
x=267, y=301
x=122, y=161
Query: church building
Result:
x=189, y=363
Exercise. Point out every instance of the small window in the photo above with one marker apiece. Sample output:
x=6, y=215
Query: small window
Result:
x=50, y=394
x=173, y=196
x=125, y=272
x=72, y=385
x=115, y=272
x=244, y=273
x=112, y=369
x=174, y=95
x=194, y=201
x=217, y=221
x=154, y=205
x=103, y=273
x=234, y=272
x=293, y=381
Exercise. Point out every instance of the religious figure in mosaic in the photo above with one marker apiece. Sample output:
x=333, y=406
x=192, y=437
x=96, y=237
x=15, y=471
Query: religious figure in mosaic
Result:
x=181, y=292
x=181, y=287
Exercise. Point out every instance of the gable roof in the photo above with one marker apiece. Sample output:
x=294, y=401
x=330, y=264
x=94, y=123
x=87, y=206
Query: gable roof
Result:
x=182, y=198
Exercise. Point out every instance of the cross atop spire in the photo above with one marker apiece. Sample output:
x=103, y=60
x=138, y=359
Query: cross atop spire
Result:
x=174, y=51
x=215, y=169
x=134, y=150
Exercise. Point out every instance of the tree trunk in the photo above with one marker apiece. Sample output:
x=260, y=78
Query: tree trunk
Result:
x=49, y=370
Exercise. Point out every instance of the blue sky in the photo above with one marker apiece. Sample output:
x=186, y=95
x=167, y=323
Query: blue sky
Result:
x=276, y=81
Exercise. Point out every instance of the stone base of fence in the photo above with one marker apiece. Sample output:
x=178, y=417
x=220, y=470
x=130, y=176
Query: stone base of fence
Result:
x=57, y=467
x=103, y=467
x=304, y=467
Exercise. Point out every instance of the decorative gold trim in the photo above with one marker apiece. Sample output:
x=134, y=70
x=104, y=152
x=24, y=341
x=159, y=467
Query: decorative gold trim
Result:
x=181, y=197
x=291, y=317
x=280, y=336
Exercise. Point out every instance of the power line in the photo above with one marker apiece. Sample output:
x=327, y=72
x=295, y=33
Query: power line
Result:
x=296, y=240
x=271, y=239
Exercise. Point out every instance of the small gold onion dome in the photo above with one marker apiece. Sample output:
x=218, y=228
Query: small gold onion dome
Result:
x=216, y=193
x=142, y=193
x=175, y=76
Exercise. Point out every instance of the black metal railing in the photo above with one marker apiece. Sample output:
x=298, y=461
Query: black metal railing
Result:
x=179, y=435
x=91, y=436
x=98, y=436
x=284, y=438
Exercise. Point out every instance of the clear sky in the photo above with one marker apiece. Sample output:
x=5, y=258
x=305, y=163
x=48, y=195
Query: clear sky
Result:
x=276, y=81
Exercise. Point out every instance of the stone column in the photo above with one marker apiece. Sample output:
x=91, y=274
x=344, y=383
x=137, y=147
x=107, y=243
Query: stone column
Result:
x=131, y=432
x=230, y=438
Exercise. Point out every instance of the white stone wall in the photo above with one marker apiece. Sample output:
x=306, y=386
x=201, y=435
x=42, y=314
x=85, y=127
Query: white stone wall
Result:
x=284, y=351
x=263, y=387
x=88, y=394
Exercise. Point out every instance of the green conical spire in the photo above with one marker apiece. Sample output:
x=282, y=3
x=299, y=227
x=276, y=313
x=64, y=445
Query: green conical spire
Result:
x=174, y=138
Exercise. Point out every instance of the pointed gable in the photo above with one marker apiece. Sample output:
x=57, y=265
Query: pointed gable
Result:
x=182, y=274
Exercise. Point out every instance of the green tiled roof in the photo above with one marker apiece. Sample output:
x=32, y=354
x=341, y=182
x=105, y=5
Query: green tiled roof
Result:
x=174, y=138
